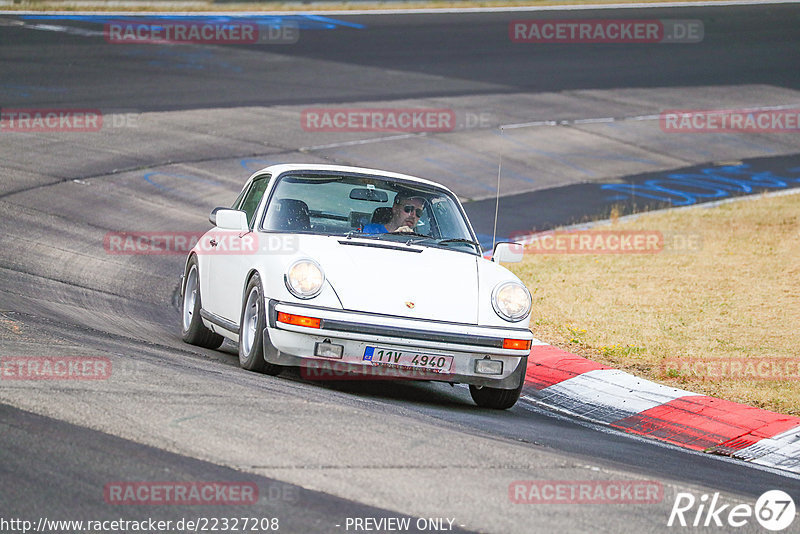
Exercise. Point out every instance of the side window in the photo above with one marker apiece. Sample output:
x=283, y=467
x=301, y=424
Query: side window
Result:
x=249, y=204
x=238, y=201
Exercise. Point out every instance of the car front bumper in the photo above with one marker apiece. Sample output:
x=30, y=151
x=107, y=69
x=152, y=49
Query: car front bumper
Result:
x=355, y=332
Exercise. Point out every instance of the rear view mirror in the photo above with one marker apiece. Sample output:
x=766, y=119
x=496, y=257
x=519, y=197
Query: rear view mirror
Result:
x=369, y=195
x=508, y=252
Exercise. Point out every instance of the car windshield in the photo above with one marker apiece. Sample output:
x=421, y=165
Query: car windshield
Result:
x=368, y=206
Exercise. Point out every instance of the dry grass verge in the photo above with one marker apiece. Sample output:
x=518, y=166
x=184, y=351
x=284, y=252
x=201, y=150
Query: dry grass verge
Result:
x=721, y=318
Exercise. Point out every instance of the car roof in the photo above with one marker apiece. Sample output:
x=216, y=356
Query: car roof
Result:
x=285, y=167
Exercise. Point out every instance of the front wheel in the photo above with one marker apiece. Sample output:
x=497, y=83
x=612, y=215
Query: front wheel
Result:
x=251, y=329
x=193, y=331
x=497, y=399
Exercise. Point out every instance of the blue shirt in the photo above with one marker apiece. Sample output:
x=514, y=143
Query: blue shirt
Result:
x=374, y=228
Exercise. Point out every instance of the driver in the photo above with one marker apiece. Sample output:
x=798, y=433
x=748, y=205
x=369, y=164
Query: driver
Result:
x=406, y=211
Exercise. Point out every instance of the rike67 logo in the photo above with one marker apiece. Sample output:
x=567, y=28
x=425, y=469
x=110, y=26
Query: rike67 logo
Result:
x=774, y=510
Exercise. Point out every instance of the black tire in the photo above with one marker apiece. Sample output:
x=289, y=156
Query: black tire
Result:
x=494, y=398
x=193, y=331
x=251, y=328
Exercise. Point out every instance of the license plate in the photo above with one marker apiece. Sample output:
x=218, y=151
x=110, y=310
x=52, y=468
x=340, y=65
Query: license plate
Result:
x=399, y=358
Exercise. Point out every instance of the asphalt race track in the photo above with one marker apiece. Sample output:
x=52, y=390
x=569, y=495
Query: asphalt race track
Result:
x=184, y=125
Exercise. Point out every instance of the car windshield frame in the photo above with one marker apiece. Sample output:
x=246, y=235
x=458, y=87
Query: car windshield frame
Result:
x=425, y=189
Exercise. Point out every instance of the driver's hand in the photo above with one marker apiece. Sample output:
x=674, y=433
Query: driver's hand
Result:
x=404, y=229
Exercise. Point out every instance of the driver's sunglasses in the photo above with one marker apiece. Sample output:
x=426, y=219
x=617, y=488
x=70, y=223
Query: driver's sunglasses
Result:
x=410, y=209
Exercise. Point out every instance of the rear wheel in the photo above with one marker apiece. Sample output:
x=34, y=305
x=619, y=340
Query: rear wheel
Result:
x=251, y=330
x=193, y=331
x=497, y=399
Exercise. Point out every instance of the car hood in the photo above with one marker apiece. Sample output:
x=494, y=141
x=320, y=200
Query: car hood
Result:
x=378, y=276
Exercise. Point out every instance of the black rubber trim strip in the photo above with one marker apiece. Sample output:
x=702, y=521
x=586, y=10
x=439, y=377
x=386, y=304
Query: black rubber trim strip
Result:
x=505, y=331
x=412, y=333
x=272, y=313
x=230, y=326
x=391, y=331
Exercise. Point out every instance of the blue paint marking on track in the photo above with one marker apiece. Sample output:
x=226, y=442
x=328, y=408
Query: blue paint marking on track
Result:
x=304, y=22
x=710, y=183
x=545, y=209
x=333, y=23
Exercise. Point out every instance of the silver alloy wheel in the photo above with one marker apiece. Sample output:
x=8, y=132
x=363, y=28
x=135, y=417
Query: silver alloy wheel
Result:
x=249, y=322
x=189, y=297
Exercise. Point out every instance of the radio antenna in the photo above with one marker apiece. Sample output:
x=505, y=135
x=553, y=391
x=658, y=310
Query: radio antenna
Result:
x=497, y=194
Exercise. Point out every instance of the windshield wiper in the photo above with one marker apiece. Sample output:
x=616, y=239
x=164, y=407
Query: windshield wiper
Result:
x=459, y=240
x=412, y=233
x=362, y=235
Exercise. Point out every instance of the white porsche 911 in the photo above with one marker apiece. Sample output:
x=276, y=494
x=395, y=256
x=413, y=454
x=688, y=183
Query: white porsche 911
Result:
x=369, y=273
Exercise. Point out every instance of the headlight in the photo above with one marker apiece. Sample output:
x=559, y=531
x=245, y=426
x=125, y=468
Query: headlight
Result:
x=304, y=279
x=511, y=301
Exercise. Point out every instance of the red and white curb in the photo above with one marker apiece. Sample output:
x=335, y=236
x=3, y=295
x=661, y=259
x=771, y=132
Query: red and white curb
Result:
x=571, y=384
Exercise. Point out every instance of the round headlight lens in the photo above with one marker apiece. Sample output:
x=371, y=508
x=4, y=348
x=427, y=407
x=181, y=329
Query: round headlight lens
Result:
x=304, y=279
x=511, y=301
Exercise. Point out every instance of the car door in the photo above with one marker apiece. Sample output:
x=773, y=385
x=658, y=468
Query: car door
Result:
x=233, y=256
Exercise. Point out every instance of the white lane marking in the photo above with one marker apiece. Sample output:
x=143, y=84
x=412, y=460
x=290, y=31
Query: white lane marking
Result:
x=360, y=142
x=786, y=457
x=593, y=121
x=62, y=29
x=781, y=451
x=608, y=395
x=533, y=124
x=422, y=11
x=651, y=117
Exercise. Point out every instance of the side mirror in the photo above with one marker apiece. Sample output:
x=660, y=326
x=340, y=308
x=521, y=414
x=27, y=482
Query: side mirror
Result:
x=227, y=219
x=213, y=217
x=508, y=252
